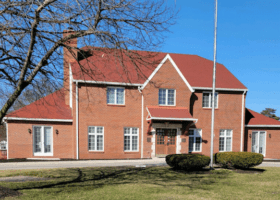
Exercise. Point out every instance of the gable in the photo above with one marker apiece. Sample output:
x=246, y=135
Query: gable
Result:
x=167, y=72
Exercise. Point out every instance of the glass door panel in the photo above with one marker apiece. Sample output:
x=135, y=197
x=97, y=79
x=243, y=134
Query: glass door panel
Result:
x=258, y=142
x=37, y=140
x=47, y=139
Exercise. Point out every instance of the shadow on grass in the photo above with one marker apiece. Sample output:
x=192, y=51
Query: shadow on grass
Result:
x=83, y=178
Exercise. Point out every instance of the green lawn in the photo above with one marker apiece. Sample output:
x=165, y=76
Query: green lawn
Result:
x=145, y=183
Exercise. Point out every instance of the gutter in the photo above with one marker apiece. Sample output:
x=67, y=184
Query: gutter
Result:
x=242, y=120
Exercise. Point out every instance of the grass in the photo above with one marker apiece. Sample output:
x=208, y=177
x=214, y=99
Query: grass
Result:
x=145, y=183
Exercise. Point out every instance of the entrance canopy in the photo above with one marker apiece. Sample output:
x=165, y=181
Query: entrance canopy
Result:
x=169, y=113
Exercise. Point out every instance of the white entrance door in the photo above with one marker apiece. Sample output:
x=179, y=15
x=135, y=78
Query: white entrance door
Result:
x=258, y=142
x=42, y=141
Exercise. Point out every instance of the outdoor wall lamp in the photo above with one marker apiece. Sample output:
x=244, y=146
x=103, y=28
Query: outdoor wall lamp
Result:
x=269, y=135
x=250, y=135
x=29, y=130
x=56, y=131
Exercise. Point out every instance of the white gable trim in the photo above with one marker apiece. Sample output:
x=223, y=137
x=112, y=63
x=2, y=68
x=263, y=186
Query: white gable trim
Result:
x=174, y=65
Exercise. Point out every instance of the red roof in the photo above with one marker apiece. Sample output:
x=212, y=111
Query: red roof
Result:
x=104, y=66
x=169, y=112
x=50, y=107
x=254, y=118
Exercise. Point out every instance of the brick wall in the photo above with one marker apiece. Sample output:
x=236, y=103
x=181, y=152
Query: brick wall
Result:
x=94, y=111
x=227, y=116
x=20, y=142
x=272, y=143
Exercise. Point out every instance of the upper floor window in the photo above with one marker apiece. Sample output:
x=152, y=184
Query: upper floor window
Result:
x=225, y=140
x=207, y=100
x=115, y=95
x=166, y=97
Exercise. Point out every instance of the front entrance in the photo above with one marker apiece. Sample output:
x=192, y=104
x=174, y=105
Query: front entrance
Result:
x=258, y=142
x=165, y=141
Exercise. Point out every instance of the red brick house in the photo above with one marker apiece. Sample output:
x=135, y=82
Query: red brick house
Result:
x=123, y=115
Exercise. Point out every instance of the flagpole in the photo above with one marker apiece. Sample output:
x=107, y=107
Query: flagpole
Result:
x=214, y=85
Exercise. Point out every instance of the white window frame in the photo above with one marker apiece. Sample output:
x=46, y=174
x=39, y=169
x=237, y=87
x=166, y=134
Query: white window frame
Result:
x=259, y=141
x=115, y=95
x=210, y=99
x=3, y=145
x=95, y=138
x=42, y=153
x=130, y=134
x=166, y=97
x=194, y=136
x=225, y=136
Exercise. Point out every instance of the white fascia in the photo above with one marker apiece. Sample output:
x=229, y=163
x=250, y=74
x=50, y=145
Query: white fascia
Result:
x=107, y=83
x=174, y=65
x=263, y=126
x=220, y=89
x=175, y=119
x=38, y=119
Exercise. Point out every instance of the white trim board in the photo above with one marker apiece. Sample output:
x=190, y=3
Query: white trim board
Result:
x=264, y=126
x=107, y=83
x=220, y=89
x=38, y=119
x=174, y=65
x=175, y=119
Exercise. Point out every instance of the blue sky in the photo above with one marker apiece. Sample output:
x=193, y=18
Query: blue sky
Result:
x=248, y=42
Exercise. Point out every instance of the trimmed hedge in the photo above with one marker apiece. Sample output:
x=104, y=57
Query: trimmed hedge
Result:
x=187, y=161
x=241, y=160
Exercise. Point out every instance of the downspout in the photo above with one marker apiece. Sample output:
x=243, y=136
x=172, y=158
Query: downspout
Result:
x=142, y=122
x=7, y=140
x=77, y=120
x=242, y=121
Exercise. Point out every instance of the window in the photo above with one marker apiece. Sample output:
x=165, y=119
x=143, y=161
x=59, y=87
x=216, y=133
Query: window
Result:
x=225, y=140
x=42, y=140
x=130, y=139
x=207, y=100
x=115, y=95
x=195, y=140
x=95, y=138
x=166, y=97
x=3, y=145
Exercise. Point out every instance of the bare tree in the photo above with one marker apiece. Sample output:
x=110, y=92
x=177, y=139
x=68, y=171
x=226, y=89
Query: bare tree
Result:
x=31, y=35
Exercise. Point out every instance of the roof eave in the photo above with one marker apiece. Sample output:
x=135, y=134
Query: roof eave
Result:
x=172, y=119
x=265, y=126
x=221, y=89
x=107, y=83
x=37, y=119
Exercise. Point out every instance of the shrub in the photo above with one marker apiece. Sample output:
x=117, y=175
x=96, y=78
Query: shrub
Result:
x=241, y=160
x=187, y=161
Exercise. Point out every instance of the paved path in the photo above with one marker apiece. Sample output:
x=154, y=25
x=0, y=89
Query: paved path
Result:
x=82, y=163
x=96, y=163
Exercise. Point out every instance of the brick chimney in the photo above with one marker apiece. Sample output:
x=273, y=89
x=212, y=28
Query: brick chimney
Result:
x=68, y=57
